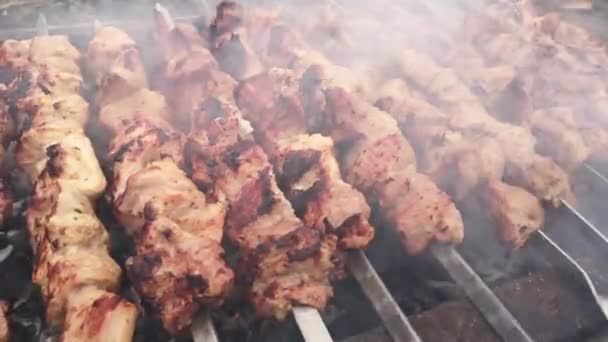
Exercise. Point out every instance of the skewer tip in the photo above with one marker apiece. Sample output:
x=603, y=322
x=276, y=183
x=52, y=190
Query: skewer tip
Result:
x=41, y=25
x=163, y=17
x=97, y=24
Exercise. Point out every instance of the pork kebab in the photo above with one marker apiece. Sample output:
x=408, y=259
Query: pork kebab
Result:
x=72, y=266
x=456, y=164
x=374, y=156
x=285, y=261
x=178, y=266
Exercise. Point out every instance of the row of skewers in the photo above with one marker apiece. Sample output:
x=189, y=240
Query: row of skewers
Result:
x=252, y=132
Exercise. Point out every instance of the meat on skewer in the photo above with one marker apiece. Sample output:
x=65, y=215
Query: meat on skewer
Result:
x=284, y=262
x=4, y=331
x=178, y=266
x=73, y=266
x=375, y=156
x=524, y=167
x=462, y=163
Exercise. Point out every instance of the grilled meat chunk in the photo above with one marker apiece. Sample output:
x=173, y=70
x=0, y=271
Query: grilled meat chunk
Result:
x=307, y=170
x=457, y=163
x=177, y=271
x=558, y=137
x=98, y=316
x=284, y=262
x=517, y=212
x=381, y=156
x=310, y=177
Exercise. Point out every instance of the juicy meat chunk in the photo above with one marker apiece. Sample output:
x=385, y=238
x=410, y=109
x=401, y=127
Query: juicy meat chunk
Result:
x=516, y=212
x=178, y=272
x=291, y=270
x=543, y=178
x=283, y=261
x=174, y=196
x=98, y=316
x=558, y=137
x=373, y=146
x=309, y=176
x=60, y=273
x=418, y=210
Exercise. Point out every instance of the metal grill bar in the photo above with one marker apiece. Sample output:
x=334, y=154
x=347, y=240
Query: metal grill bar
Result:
x=480, y=294
x=393, y=318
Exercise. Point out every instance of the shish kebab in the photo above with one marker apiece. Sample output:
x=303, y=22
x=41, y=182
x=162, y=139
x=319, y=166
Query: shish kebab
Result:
x=225, y=154
x=72, y=265
x=368, y=121
x=550, y=70
x=222, y=152
x=178, y=266
x=376, y=159
x=452, y=157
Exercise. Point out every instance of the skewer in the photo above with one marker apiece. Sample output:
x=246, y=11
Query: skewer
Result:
x=480, y=294
x=311, y=325
x=557, y=253
x=203, y=329
x=42, y=27
x=387, y=308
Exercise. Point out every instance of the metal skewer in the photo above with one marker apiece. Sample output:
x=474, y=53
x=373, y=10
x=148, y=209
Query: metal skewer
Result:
x=387, y=308
x=503, y=322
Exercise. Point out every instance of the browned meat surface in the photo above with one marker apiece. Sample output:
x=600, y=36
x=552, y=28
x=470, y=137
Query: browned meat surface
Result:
x=558, y=137
x=466, y=114
x=378, y=156
x=98, y=316
x=318, y=96
x=177, y=270
x=463, y=164
x=457, y=163
x=4, y=332
x=284, y=262
x=517, y=212
x=70, y=243
x=307, y=169
x=178, y=266
x=309, y=175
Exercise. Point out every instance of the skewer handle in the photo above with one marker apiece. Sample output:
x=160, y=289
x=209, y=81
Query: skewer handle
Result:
x=311, y=325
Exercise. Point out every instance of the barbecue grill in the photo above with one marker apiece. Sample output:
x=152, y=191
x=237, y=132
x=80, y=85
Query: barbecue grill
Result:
x=554, y=289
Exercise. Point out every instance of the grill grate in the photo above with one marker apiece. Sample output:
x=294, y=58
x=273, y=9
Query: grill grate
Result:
x=577, y=245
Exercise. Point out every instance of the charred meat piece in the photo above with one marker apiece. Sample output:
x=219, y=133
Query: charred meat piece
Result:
x=177, y=271
x=517, y=212
x=284, y=262
x=418, y=210
x=178, y=266
x=307, y=170
x=310, y=177
x=98, y=316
